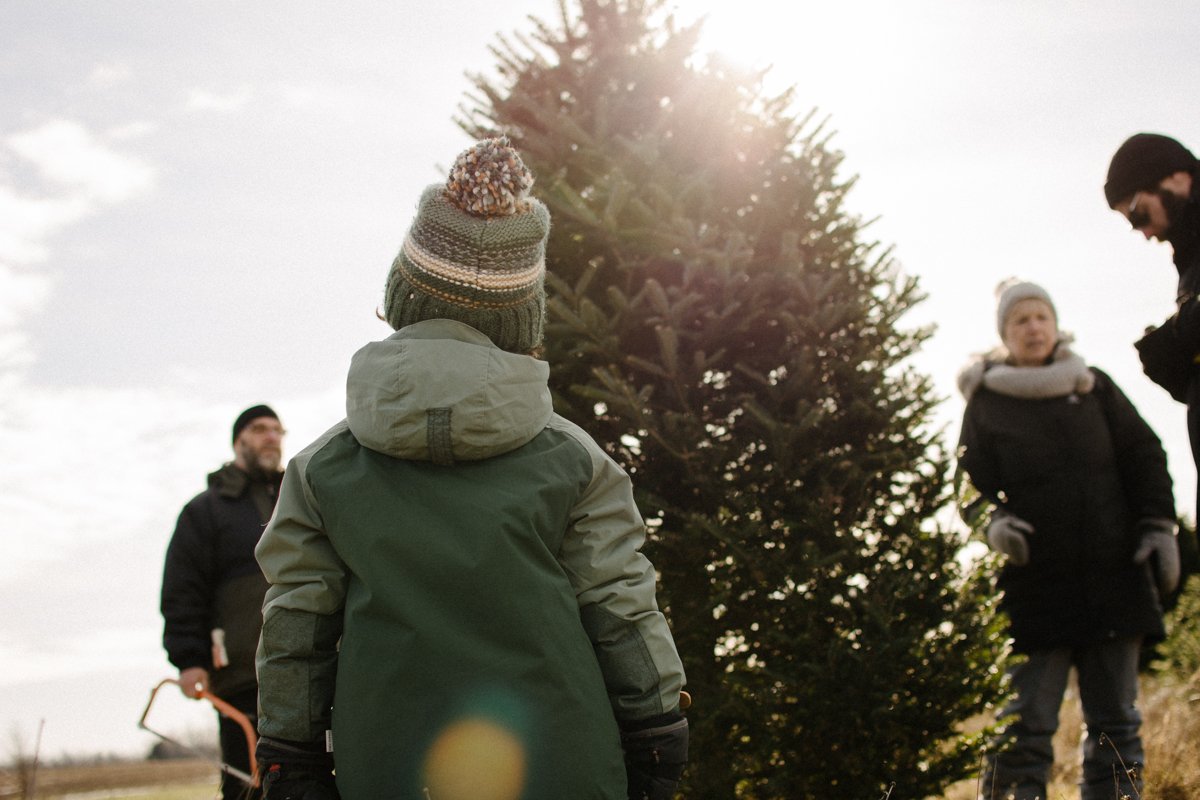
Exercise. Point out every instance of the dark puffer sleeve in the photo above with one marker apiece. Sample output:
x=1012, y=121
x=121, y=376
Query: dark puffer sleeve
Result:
x=1141, y=460
x=187, y=588
x=977, y=464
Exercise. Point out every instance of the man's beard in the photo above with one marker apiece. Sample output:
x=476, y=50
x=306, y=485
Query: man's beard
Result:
x=1174, y=206
x=262, y=463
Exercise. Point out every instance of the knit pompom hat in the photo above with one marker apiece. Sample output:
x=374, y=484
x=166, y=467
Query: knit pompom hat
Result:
x=1141, y=163
x=1013, y=291
x=476, y=252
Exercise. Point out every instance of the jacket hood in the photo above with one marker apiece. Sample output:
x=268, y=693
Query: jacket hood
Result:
x=441, y=391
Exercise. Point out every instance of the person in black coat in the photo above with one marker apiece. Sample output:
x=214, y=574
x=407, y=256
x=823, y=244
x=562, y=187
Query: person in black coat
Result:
x=1152, y=183
x=1081, y=504
x=213, y=589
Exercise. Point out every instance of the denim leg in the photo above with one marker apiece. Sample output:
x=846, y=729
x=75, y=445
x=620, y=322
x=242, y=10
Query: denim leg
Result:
x=1021, y=772
x=1108, y=688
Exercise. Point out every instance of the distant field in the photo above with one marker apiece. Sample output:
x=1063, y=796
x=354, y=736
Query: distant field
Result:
x=1171, y=732
x=183, y=779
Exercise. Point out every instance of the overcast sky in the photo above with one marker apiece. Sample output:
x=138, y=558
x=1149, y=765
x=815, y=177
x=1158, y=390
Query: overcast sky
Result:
x=199, y=202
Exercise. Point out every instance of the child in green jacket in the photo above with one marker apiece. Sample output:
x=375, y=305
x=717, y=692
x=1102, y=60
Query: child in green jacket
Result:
x=459, y=607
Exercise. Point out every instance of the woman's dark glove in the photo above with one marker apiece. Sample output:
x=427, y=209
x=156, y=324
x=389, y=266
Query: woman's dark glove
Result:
x=655, y=753
x=295, y=770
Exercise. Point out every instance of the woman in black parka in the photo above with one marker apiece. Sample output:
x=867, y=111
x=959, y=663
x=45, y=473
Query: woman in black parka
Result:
x=1082, y=508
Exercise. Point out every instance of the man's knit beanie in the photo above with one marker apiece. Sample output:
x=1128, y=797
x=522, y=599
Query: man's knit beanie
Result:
x=1013, y=291
x=249, y=415
x=1142, y=162
x=476, y=252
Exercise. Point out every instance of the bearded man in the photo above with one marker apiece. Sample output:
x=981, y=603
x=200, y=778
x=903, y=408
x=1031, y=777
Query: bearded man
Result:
x=213, y=589
x=1152, y=183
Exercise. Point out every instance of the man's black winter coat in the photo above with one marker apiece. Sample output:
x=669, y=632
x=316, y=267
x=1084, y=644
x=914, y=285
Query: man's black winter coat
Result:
x=211, y=579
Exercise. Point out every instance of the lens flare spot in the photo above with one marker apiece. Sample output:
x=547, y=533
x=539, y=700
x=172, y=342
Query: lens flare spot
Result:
x=475, y=759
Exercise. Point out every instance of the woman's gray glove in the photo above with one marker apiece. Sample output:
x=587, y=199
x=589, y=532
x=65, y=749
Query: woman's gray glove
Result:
x=1006, y=534
x=1160, y=546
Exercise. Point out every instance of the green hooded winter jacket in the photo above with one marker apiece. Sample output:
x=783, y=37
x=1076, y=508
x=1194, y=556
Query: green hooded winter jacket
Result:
x=456, y=554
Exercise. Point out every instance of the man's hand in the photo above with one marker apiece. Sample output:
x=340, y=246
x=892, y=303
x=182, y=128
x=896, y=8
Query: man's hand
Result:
x=1006, y=534
x=655, y=753
x=1160, y=546
x=295, y=771
x=193, y=681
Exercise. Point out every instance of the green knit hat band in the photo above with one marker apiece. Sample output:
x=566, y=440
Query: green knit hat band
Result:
x=476, y=252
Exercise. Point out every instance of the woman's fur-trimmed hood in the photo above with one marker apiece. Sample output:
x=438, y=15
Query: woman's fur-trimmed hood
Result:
x=1067, y=373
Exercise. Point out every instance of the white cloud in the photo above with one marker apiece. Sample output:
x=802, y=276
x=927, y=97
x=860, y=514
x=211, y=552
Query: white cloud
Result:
x=80, y=173
x=22, y=293
x=133, y=455
x=16, y=354
x=94, y=479
x=204, y=100
x=109, y=74
x=323, y=98
x=83, y=174
x=132, y=130
x=25, y=222
x=67, y=153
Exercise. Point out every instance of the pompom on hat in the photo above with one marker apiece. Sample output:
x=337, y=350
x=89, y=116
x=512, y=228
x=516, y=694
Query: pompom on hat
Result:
x=476, y=252
x=1012, y=291
x=1140, y=164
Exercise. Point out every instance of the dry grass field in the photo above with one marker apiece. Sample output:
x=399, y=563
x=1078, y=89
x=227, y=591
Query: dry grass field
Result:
x=1171, y=732
x=183, y=779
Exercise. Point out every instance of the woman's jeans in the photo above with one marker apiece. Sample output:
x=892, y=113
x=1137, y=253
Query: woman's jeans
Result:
x=1112, y=752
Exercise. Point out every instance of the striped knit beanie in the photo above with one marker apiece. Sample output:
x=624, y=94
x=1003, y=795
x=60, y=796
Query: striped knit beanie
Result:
x=476, y=252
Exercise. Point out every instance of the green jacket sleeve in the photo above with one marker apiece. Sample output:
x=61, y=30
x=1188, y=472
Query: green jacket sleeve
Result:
x=615, y=585
x=302, y=612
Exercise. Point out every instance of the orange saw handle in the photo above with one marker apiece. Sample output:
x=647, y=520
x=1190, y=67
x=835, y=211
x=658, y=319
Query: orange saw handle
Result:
x=225, y=710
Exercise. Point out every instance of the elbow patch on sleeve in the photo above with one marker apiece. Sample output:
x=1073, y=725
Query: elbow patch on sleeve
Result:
x=297, y=668
x=630, y=673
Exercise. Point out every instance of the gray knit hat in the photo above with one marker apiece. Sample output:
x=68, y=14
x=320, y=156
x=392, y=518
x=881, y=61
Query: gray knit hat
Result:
x=476, y=252
x=1013, y=291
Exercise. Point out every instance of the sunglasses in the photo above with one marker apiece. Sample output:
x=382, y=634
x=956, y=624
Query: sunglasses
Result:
x=1138, y=217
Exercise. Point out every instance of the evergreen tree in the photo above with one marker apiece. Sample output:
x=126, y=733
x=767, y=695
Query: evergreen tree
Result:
x=721, y=322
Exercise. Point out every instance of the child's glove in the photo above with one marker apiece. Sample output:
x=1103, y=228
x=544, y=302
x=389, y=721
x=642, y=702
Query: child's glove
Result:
x=295, y=770
x=655, y=753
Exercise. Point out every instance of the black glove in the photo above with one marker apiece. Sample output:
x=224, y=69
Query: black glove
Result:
x=655, y=752
x=295, y=770
x=1165, y=360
